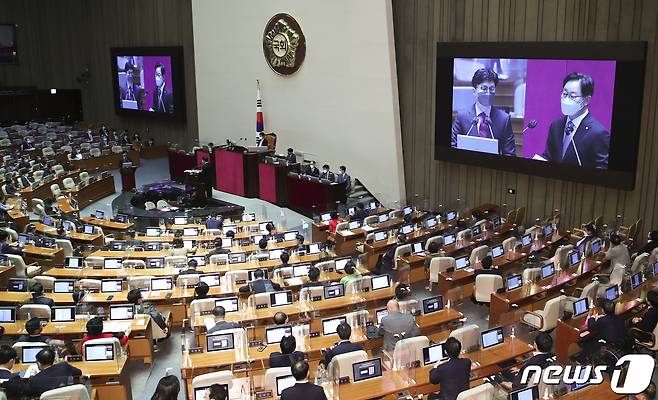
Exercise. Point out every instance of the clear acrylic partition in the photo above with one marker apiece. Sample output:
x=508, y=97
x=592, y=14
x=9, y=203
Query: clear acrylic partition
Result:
x=302, y=333
x=406, y=362
x=187, y=342
x=329, y=380
x=510, y=317
x=241, y=346
x=242, y=388
x=283, y=221
x=306, y=230
x=355, y=289
x=357, y=320
x=454, y=297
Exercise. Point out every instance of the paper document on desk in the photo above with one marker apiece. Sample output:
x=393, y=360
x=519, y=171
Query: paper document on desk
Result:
x=294, y=282
x=209, y=322
x=367, y=228
x=116, y=326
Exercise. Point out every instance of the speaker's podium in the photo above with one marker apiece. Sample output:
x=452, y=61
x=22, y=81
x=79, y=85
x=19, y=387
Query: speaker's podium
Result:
x=128, y=176
x=192, y=179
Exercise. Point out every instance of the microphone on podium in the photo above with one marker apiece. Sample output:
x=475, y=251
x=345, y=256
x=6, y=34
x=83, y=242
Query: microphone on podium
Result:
x=474, y=122
x=531, y=125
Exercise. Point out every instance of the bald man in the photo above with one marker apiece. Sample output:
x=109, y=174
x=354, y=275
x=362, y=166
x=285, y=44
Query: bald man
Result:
x=396, y=326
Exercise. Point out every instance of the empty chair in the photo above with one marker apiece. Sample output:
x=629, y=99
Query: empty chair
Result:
x=13, y=235
x=464, y=234
x=5, y=142
x=395, y=214
x=437, y=239
x=640, y=262
x=90, y=284
x=187, y=280
x=357, y=318
x=401, y=251
x=478, y=254
x=38, y=208
x=85, y=146
x=373, y=219
x=269, y=382
x=561, y=255
x=56, y=191
x=84, y=177
x=260, y=299
x=509, y=244
x=174, y=261
x=219, y=259
x=325, y=265
x=68, y=183
x=73, y=392
x=485, y=391
x=233, y=277
x=616, y=277
x=117, y=149
x=58, y=169
x=38, y=175
x=589, y=291
x=468, y=335
x=65, y=245
x=409, y=350
x=651, y=345
x=41, y=311
x=95, y=261
x=283, y=272
x=219, y=378
x=342, y=226
x=212, y=232
x=47, y=152
x=485, y=286
x=22, y=270
x=162, y=204
x=66, y=149
x=47, y=281
x=140, y=282
x=94, y=152
x=311, y=292
x=134, y=264
x=439, y=265
x=149, y=205
x=342, y=363
x=531, y=274
x=546, y=319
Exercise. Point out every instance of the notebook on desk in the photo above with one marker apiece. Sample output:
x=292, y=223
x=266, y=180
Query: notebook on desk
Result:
x=476, y=143
x=294, y=282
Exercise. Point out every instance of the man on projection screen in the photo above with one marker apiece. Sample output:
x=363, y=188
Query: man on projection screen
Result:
x=482, y=119
x=577, y=137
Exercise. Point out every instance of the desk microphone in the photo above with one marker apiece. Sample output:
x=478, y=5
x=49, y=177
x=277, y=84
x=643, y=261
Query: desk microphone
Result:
x=489, y=122
x=474, y=122
x=576, y=150
x=531, y=125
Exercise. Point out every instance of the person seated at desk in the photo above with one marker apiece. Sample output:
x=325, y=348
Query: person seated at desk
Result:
x=27, y=145
x=360, y=214
x=5, y=248
x=178, y=249
x=327, y=174
x=167, y=389
x=219, y=313
x=261, y=251
x=608, y=327
x=260, y=284
x=135, y=297
x=217, y=392
x=81, y=308
x=74, y=155
x=453, y=375
x=9, y=186
x=218, y=249
x=344, y=331
x=312, y=170
x=33, y=328
x=647, y=322
x=590, y=234
x=95, y=331
x=344, y=177
x=280, y=318
x=51, y=375
x=396, y=326
x=542, y=357
x=12, y=384
x=214, y=222
x=432, y=252
x=352, y=273
x=261, y=140
x=201, y=291
x=652, y=243
x=302, y=389
x=191, y=268
x=387, y=260
x=333, y=222
x=291, y=158
x=38, y=297
x=402, y=291
x=271, y=231
x=284, y=258
x=288, y=354
x=51, y=207
x=618, y=254
x=313, y=278
x=487, y=268
x=25, y=181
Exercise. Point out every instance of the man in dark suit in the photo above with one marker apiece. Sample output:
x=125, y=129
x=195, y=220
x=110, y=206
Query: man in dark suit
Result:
x=577, y=138
x=131, y=90
x=312, y=170
x=482, y=119
x=454, y=375
x=89, y=136
x=260, y=284
x=220, y=324
x=344, y=331
x=11, y=383
x=344, y=177
x=313, y=276
x=327, y=174
x=51, y=376
x=207, y=172
x=608, y=327
x=396, y=326
x=38, y=297
x=291, y=158
x=33, y=328
x=5, y=248
x=487, y=268
x=360, y=214
x=302, y=388
x=261, y=139
x=288, y=355
x=163, y=99
x=647, y=322
x=543, y=357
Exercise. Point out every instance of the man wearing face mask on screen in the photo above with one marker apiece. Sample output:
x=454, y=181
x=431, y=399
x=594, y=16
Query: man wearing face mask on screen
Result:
x=577, y=137
x=482, y=119
x=163, y=100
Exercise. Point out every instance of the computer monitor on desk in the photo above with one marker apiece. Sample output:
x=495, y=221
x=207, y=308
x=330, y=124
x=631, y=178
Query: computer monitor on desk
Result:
x=230, y=304
x=492, y=337
x=122, y=312
x=367, y=369
x=330, y=325
x=278, y=299
x=612, y=293
x=580, y=307
x=434, y=353
x=514, y=282
x=275, y=334
x=99, y=352
x=530, y=393
x=219, y=342
x=29, y=353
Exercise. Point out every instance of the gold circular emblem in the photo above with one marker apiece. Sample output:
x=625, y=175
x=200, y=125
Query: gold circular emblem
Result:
x=284, y=44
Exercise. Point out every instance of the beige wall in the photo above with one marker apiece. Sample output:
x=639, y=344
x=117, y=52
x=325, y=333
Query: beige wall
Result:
x=419, y=24
x=58, y=39
x=341, y=107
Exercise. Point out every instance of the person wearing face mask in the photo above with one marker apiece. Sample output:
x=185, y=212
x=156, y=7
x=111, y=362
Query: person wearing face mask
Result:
x=577, y=137
x=482, y=119
x=163, y=99
x=327, y=174
x=312, y=170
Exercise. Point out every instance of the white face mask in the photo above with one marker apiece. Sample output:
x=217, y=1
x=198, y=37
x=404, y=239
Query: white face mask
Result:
x=159, y=81
x=570, y=107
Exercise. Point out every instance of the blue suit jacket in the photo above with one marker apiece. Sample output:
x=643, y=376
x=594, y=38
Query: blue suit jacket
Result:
x=278, y=359
x=341, y=348
x=55, y=376
x=453, y=376
x=591, y=138
x=306, y=391
x=610, y=328
x=501, y=126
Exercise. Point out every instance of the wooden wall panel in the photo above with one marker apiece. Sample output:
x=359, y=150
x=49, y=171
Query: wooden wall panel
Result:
x=58, y=39
x=419, y=24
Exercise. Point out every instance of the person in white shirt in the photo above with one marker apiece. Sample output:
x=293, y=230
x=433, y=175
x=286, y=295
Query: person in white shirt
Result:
x=618, y=254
